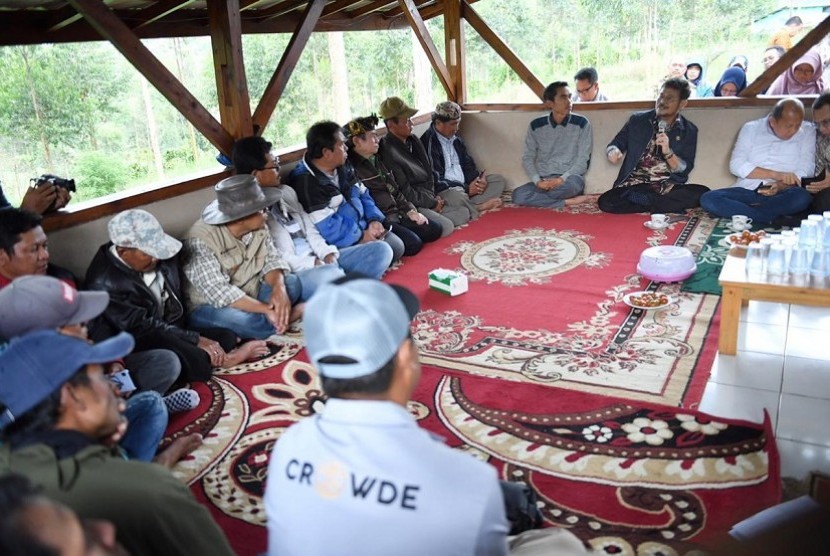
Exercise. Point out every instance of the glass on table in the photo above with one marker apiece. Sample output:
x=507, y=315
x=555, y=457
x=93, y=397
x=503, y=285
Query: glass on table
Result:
x=776, y=259
x=756, y=256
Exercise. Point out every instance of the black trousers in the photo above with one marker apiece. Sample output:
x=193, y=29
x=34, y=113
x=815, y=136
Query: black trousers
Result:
x=821, y=202
x=196, y=365
x=681, y=197
x=415, y=235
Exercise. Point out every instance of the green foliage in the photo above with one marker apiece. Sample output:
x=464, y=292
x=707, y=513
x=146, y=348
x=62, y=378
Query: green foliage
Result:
x=97, y=174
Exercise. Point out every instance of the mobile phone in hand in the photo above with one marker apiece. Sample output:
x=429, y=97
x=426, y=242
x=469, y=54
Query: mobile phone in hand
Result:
x=123, y=381
x=807, y=181
x=481, y=175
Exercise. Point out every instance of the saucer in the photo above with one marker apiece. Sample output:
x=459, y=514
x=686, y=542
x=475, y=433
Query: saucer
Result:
x=739, y=228
x=651, y=226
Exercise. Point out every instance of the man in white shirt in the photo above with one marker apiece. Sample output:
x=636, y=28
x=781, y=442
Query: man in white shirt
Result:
x=771, y=156
x=363, y=471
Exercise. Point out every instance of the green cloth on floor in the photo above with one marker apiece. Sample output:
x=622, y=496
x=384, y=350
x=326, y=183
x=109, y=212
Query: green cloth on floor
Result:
x=709, y=262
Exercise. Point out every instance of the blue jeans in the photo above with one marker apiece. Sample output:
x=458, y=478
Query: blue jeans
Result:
x=369, y=259
x=761, y=208
x=531, y=196
x=146, y=421
x=245, y=324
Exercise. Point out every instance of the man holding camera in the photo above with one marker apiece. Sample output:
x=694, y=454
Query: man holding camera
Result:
x=48, y=194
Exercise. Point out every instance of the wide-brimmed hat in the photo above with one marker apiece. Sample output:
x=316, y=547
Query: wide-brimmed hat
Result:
x=139, y=229
x=238, y=197
x=394, y=107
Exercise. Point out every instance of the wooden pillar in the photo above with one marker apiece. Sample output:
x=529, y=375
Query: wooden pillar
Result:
x=455, y=48
x=231, y=83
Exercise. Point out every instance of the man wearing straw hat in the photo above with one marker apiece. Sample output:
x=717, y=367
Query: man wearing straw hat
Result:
x=236, y=277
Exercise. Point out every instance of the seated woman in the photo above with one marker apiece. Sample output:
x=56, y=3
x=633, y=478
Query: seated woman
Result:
x=411, y=226
x=731, y=83
x=694, y=75
x=802, y=78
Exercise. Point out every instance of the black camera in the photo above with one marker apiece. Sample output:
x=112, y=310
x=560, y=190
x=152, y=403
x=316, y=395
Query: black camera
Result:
x=51, y=179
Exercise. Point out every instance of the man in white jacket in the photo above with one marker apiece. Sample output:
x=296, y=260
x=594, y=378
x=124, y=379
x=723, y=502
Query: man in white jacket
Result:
x=291, y=228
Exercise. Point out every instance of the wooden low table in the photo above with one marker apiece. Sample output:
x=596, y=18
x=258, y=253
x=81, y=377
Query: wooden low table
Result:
x=739, y=288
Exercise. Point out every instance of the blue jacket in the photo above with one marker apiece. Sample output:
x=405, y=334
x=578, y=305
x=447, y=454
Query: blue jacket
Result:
x=635, y=135
x=340, y=214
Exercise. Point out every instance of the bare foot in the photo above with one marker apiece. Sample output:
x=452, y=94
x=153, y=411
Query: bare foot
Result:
x=489, y=205
x=248, y=350
x=178, y=449
x=578, y=200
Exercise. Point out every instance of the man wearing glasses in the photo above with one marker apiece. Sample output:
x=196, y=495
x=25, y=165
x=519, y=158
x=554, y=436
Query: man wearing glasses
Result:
x=587, y=86
x=821, y=189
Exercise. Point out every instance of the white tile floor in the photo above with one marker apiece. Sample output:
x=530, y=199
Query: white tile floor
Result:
x=783, y=366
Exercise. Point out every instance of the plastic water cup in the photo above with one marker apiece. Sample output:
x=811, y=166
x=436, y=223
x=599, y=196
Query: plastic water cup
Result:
x=809, y=233
x=800, y=260
x=776, y=260
x=820, y=266
x=755, y=259
x=819, y=220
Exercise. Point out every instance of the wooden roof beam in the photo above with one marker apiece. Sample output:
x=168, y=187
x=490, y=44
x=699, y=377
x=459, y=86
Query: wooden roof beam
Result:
x=229, y=68
x=99, y=16
x=495, y=42
x=158, y=11
x=455, y=48
x=809, y=40
x=278, y=10
x=338, y=6
x=423, y=36
x=370, y=7
x=288, y=62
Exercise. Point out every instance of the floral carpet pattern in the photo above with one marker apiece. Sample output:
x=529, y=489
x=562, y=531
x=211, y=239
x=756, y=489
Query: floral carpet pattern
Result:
x=511, y=373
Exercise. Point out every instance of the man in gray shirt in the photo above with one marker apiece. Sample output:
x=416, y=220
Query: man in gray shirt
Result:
x=557, y=151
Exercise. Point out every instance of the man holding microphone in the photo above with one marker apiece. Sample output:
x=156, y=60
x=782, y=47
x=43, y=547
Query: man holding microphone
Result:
x=657, y=149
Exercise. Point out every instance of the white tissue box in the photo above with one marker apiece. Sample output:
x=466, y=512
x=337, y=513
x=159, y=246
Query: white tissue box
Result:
x=448, y=281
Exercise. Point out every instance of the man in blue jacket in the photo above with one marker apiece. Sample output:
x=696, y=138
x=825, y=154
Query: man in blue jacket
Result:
x=338, y=203
x=659, y=147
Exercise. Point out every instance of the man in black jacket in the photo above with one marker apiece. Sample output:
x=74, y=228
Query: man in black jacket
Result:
x=139, y=269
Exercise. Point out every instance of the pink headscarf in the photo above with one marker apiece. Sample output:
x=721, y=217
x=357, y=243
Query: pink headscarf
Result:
x=786, y=83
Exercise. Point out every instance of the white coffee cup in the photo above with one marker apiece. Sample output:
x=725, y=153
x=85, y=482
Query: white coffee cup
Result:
x=659, y=220
x=741, y=222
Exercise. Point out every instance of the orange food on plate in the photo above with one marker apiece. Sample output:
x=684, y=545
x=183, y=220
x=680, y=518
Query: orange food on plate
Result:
x=649, y=299
x=746, y=237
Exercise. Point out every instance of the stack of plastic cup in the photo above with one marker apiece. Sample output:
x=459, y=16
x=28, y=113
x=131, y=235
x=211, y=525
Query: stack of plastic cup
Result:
x=755, y=259
x=777, y=259
x=819, y=220
x=808, y=236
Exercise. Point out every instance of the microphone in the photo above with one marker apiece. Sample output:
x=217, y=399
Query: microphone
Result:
x=662, y=126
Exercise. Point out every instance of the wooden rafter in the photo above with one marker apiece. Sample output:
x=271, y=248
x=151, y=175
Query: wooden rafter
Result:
x=229, y=67
x=288, y=62
x=369, y=8
x=423, y=36
x=501, y=48
x=158, y=11
x=809, y=40
x=338, y=6
x=113, y=29
x=455, y=48
x=279, y=9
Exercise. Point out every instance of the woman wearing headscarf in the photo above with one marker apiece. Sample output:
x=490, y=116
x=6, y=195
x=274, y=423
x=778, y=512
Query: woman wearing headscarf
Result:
x=731, y=83
x=694, y=75
x=802, y=78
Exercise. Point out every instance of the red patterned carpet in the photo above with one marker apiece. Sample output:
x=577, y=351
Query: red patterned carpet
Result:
x=512, y=373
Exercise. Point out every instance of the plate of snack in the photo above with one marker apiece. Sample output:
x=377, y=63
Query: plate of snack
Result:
x=742, y=239
x=648, y=300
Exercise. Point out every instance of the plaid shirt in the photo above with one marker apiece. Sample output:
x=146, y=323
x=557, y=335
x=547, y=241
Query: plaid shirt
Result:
x=213, y=282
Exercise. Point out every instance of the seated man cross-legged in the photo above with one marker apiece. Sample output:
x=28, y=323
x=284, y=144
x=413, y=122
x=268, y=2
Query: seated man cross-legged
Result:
x=556, y=154
x=453, y=163
x=139, y=269
x=659, y=146
x=771, y=156
x=292, y=228
x=236, y=277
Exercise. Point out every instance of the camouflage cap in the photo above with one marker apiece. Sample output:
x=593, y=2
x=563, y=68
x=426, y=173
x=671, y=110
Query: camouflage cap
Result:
x=394, y=107
x=139, y=229
x=448, y=110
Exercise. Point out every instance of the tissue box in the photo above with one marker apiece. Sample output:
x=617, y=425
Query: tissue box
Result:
x=448, y=281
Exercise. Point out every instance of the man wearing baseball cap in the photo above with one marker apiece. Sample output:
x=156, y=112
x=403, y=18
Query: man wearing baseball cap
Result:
x=402, y=152
x=33, y=303
x=452, y=162
x=58, y=416
x=140, y=270
x=363, y=471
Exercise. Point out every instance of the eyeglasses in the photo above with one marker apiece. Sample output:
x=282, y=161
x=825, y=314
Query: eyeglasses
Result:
x=586, y=89
x=276, y=160
x=823, y=123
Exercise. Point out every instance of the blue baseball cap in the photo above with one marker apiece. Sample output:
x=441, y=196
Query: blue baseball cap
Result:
x=354, y=326
x=34, y=366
